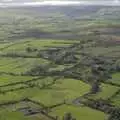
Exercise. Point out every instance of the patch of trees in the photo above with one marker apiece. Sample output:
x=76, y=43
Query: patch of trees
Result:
x=104, y=106
x=14, y=55
x=93, y=68
x=68, y=116
x=95, y=87
x=115, y=115
x=30, y=49
x=38, y=70
x=117, y=65
x=59, y=56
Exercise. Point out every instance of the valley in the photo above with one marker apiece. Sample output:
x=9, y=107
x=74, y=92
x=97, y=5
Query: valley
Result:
x=60, y=61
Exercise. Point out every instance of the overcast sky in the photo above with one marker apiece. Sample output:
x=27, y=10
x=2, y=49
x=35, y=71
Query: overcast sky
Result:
x=57, y=2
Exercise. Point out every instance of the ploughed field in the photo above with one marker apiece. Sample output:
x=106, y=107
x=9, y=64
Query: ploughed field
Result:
x=58, y=60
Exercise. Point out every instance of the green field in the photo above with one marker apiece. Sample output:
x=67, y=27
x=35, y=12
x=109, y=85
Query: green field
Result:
x=79, y=113
x=9, y=79
x=50, y=96
x=19, y=65
x=115, y=78
x=4, y=115
x=61, y=92
x=38, y=44
x=106, y=91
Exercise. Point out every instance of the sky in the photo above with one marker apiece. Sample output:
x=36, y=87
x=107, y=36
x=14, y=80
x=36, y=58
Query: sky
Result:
x=9, y=3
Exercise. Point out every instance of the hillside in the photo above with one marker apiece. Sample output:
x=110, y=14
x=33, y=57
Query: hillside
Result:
x=60, y=63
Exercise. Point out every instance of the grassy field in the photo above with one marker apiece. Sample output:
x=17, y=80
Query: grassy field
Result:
x=19, y=65
x=115, y=78
x=38, y=44
x=116, y=101
x=9, y=79
x=79, y=113
x=106, y=91
x=4, y=115
x=61, y=92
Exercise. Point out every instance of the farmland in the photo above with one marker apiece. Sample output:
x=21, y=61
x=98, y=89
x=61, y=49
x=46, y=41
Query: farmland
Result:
x=59, y=61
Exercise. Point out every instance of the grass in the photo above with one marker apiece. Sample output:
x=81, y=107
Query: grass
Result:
x=4, y=115
x=66, y=89
x=17, y=95
x=55, y=67
x=13, y=113
x=115, y=78
x=24, y=93
x=106, y=92
x=39, y=117
x=9, y=79
x=116, y=100
x=38, y=44
x=10, y=88
x=4, y=45
x=80, y=113
x=19, y=65
x=102, y=50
